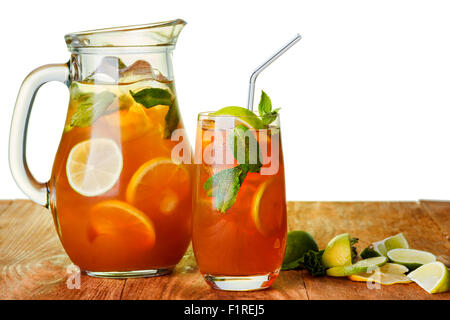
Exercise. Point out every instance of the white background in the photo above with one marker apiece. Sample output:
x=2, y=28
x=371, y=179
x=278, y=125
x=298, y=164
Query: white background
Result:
x=365, y=96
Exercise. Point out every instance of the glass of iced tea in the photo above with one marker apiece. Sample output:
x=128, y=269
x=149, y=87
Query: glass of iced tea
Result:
x=239, y=211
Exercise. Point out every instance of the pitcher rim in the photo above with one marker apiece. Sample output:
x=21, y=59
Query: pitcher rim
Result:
x=136, y=36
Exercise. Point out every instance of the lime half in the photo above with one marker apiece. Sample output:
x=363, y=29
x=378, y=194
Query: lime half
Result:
x=366, y=265
x=338, y=252
x=411, y=258
x=243, y=114
x=298, y=242
x=432, y=277
x=393, y=242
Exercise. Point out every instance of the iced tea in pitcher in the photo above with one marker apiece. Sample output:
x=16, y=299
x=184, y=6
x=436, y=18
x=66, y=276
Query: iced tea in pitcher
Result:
x=121, y=203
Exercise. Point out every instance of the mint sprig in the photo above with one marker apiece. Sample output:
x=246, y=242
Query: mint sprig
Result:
x=151, y=97
x=265, y=109
x=225, y=184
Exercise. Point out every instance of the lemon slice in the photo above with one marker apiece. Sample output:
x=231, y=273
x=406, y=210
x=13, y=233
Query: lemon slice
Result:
x=393, y=242
x=268, y=207
x=432, y=277
x=390, y=273
x=94, y=166
x=411, y=258
x=159, y=185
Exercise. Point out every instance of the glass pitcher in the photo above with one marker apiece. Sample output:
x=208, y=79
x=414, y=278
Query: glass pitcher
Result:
x=121, y=204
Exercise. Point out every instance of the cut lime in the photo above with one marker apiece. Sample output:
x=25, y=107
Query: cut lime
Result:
x=245, y=115
x=338, y=252
x=390, y=273
x=433, y=277
x=410, y=258
x=366, y=265
x=393, y=242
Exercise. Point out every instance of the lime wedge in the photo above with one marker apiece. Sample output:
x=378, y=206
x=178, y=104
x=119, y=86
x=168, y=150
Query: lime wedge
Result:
x=433, y=277
x=338, y=252
x=243, y=114
x=366, y=265
x=390, y=273
x=410, y=258
x=393, y=242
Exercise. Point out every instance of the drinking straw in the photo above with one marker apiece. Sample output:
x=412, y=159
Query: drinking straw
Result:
x=255, y=74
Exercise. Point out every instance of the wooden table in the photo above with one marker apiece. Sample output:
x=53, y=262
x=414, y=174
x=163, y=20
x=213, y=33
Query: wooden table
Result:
x=33, y=264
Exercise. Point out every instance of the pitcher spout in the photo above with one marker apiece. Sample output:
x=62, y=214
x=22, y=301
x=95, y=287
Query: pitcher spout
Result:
x=160, y=34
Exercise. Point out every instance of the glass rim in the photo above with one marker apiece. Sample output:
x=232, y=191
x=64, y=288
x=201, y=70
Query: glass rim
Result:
x=207, y=114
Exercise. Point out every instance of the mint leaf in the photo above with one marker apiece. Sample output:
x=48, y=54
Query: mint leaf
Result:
x=265, y=109
x=369, y=253
x=225, y=185
x=91, y=107
x=312, y=261
x=245, y=148
x=265, y=104
x=172, y=119
x=151, y=97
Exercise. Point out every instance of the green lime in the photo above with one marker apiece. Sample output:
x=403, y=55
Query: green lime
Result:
x=393, y=242
x=298, y=242
x=243, y=114
x=433, y=277
x=338, y=252
x=362, y=266
x=410, y=258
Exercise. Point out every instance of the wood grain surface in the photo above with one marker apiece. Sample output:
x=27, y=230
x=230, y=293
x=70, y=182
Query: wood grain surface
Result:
x=33, y=264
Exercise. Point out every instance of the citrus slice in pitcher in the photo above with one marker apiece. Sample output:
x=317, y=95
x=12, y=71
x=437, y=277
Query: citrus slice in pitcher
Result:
x=267, y=207
x=118, y=219
x=93, y=166
x=158, y=185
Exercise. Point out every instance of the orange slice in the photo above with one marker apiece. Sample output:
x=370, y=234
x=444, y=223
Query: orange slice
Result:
x=158, y=186
x=268, y=207
x=122, y=221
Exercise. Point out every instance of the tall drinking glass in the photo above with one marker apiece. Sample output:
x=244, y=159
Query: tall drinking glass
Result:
x=239, y=210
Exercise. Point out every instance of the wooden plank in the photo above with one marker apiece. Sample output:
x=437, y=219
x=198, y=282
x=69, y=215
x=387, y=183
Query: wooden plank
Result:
x=370, y=221
x=439, y=211
x=33, y=264
x=187, y=283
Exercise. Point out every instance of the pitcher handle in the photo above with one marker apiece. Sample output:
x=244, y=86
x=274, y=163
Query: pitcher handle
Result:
x=35, y=190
